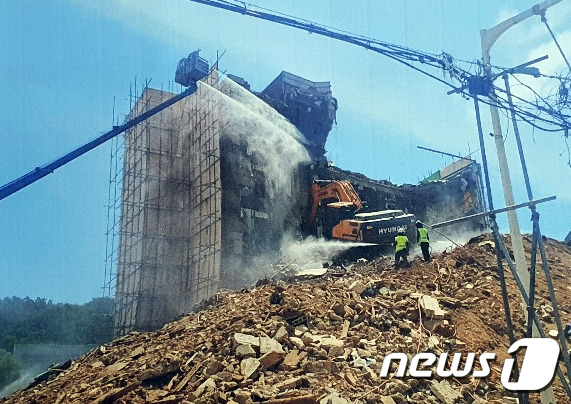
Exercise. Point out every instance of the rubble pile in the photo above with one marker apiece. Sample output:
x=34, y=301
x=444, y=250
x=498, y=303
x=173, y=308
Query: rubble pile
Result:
x=321, y=341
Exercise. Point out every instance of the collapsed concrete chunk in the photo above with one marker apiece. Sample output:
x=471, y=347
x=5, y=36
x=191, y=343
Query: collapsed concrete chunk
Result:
x=335, y=351
x=209, y=384
x=213, y=367
x=445, y=393
x=328, y=342
x=249, y=367
x=270, y=359
x=300, y=330
x=357, y=287
x=243, y=397
x=268, y=344
x=245, y=339
x=292, y=359
x=290, y=383
x=309, y=338
x=333, y=399
x=281, y=334
x=430, y=307
x=304, y=399
x=245, y=351
x=297, y=342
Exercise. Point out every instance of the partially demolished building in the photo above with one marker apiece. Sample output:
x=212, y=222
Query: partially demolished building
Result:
x=212, y=184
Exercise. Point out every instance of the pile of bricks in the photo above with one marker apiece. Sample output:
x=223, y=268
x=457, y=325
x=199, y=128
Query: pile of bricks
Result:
x=323, y=341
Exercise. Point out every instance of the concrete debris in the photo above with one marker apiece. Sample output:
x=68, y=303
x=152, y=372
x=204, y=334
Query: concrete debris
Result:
x=244, y=350
x=269, y=345
x=327, y=342
x=271, y=358
x=430, y=307
x=245, y=339
x=333, y=398
x=297, y=342
x=445, y=393
x=281, y=334
x=553, y=333
x=304, y=399
x=209, y=384
x=357, y=287
x=249, y=367
x=293, y=359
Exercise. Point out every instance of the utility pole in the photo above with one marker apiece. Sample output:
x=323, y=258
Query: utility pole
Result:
x=488, y=37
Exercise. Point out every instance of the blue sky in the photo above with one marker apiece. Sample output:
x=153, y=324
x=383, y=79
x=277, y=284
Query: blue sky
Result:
x=63, y=62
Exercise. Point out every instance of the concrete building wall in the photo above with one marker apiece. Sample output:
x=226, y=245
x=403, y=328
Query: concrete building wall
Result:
x=254, y=219
x=204, y=204
x=200, y=207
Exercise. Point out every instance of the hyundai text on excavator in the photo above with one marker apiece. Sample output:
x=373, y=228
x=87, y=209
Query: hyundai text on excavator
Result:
x=337, y=212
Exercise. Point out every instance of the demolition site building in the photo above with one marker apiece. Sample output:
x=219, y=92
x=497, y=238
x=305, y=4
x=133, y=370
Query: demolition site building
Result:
x=201, y=193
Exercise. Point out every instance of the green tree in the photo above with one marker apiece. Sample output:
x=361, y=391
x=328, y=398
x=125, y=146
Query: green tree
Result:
x=27, y=321
x=9, y=368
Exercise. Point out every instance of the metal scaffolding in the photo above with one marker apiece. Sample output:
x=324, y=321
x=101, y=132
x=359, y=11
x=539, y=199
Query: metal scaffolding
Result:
x=113, y=215
x=168, y=256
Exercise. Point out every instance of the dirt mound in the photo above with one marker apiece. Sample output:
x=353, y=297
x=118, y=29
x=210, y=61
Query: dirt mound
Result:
x=320, y=341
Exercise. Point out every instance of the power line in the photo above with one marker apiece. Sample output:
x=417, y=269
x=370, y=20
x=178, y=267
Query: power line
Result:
x=526, y=110
x=544, y=20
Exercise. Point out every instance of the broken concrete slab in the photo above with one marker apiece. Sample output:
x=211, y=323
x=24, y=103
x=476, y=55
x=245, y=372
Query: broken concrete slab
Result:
x=357, y=287
x=245, y=351
x=445, y=393
x=287, y=384
x=297, y=342
x=303, y=399
x=293, y=359
x=245, y=339
x=268, y=344
x=249, y=367
x=213, y=367
x=430, y=307
x=328, y=342
x=281, y=334
x=336, y=351
x=271, y=358
x=209, y=384
x=333, y=399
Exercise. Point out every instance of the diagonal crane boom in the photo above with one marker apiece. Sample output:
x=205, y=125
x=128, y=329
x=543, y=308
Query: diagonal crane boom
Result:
x=41, y=171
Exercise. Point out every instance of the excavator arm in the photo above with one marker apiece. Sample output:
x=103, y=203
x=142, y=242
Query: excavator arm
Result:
x=335, y=191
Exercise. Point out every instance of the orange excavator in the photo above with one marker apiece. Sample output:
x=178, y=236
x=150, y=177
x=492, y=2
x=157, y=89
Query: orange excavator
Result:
x=337, y=212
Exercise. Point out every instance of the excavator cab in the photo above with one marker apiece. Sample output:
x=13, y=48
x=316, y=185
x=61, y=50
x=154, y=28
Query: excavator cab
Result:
x=338, y=213
x=330, y=215
x=332, y=201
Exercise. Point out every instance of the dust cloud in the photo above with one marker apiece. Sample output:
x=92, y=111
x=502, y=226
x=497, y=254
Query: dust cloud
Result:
x=275, y=146
x=314, y=249
x=252, y=122
x=26, y=377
